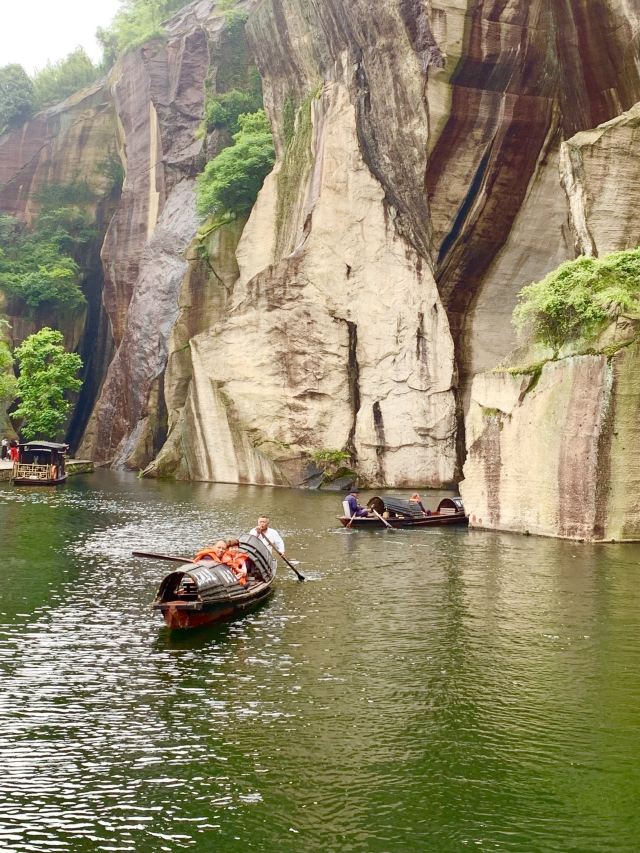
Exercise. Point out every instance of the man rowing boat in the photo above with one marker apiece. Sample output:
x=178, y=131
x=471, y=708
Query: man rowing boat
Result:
x=268, y=535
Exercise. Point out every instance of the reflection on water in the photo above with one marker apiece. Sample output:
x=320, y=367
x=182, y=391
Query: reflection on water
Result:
x=434, y=690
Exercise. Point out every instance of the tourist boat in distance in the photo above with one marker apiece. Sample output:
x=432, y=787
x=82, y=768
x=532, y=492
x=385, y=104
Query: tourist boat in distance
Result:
x=202, y=593
x=40, y=463
x=399, y=513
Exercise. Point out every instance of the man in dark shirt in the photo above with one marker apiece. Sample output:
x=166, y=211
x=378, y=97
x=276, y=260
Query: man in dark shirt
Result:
x=354, y=507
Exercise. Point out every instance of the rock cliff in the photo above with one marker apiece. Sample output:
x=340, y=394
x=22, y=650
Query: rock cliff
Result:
x=420, y=151
x=72, y=142
x=551, y=448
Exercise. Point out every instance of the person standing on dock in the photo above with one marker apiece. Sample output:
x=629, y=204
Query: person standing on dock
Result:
x=5, y=449
x=268, y=535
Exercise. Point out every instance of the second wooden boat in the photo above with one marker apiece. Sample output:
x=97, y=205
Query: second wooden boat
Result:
x=406, y=514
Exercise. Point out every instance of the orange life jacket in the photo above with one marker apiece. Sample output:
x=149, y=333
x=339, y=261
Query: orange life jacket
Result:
x=207, y=554
x=237, y=562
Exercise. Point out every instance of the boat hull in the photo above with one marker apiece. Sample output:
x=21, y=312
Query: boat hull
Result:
x=434, y=520
x=181, y=615
x=32, y=481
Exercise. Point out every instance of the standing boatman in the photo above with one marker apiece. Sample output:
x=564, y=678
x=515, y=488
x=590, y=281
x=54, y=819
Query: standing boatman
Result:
x=268, y=535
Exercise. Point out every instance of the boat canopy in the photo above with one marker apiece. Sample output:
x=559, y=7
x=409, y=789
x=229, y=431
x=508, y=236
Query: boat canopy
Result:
x=450, y=506
x=51, y=446
x=265, y=564
x=397, y=506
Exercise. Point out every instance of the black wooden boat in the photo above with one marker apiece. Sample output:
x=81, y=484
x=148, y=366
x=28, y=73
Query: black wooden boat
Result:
x=202, y=593
x=40, y=463
x=403, y=514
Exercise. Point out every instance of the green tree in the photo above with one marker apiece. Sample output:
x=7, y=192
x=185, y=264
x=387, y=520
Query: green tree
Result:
x=56, y=81
x=231, y=181
x=136, y=22
x=8, y=382
x=578, y=298
x=16, y=96
x=37, y=265
x=223, y=111
x=47, y=373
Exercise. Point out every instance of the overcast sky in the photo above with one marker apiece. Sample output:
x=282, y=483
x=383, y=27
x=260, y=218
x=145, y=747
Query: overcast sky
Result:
x=33, y=32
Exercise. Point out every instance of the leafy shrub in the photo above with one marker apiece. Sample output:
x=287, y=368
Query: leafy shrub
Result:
x=327, y=458
x=37, y=265
x=56, y=81
x=52, y=196
x=577, y=299
x=231, y=181
x=47, y=372
x=135, y=23
x=16, y=96
x=334, y=464
x=8, y=382
x=113, y=170
x=223, y=111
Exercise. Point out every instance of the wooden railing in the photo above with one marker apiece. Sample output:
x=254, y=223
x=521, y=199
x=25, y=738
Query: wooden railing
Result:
x=30, y=471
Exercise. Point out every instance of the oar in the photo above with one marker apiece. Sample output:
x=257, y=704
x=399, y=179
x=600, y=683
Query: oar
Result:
x=383, y=520
x=162, y=557
x=282, y=557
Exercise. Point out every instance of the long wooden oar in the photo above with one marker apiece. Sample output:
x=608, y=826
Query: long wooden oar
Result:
x=301, y=577
x=163, y=557
x=383, y=520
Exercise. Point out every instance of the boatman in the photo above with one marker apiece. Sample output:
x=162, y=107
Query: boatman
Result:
x=354, y=507
x=268, y=535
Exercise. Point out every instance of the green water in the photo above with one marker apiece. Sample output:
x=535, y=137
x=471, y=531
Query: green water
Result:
x=436, y=690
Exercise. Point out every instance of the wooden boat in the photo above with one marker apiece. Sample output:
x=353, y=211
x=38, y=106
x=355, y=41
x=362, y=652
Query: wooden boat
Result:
x=404, y=514
x=202, y=593
x=40, y=463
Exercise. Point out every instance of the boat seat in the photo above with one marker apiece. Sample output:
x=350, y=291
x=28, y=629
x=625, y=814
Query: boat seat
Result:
x=346, y=509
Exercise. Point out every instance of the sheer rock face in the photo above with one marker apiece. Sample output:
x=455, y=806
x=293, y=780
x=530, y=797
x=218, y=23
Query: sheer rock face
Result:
x=65, y=144
x=556, y=455
x=524, y=77
x=580, y=474
x=61, y=145
x=341, y=343
x=601, y=176
x=72, y=142
x=158, y=91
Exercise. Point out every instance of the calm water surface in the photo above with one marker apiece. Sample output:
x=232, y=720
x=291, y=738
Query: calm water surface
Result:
x=441, y=690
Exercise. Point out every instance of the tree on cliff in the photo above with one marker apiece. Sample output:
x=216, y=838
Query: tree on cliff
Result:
x=579, y=298
x=8, y=383
x=56, y=81
x=16, y=96
x=136, y=22
x=231, y=181
x=47, y=373
x=37, y=265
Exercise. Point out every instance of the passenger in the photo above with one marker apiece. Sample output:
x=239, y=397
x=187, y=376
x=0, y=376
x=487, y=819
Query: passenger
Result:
x=355, y=510
x=212, y=552
x=236, y=559
x=416, y=499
